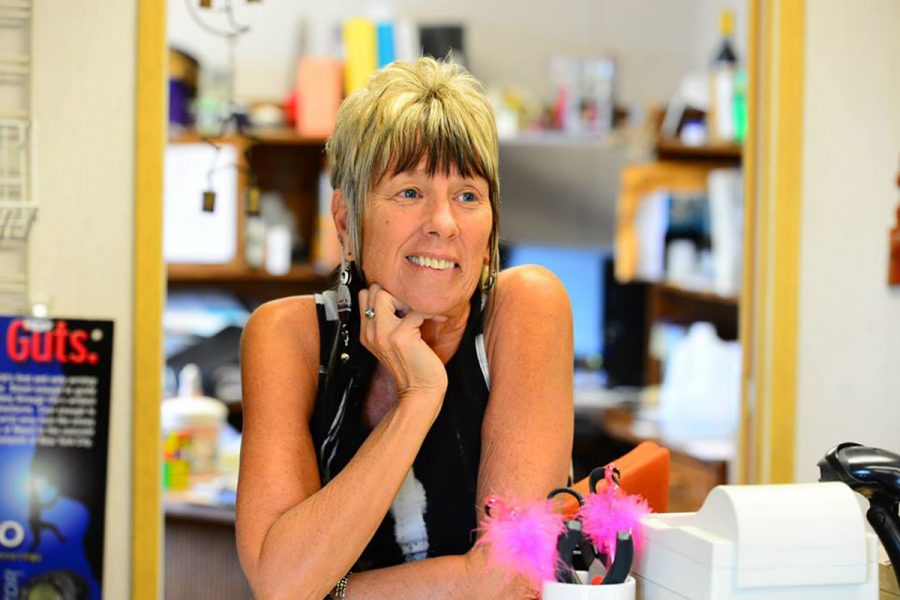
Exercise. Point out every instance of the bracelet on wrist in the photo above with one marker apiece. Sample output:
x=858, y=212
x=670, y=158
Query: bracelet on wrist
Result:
x=339, y=591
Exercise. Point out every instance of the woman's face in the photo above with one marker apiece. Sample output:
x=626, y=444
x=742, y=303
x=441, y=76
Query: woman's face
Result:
x=425, y=238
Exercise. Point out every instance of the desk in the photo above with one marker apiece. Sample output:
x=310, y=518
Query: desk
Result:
x=200, y=555
x=697, y=465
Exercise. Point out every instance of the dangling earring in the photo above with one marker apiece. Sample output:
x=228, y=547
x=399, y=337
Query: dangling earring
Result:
x=343, y=307
x=488, y=278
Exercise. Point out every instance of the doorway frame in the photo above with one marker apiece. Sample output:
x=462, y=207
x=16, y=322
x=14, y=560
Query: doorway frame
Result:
x=149, y=297
x=773, y=175
x=772, y=170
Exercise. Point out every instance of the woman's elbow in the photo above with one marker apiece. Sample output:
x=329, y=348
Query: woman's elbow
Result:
x=271, y=582
x=269, y=578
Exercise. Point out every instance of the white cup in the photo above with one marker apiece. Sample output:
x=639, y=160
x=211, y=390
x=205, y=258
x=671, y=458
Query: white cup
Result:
x=553, y=590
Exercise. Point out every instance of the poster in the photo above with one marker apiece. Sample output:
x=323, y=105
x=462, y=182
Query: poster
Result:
x=54, y=423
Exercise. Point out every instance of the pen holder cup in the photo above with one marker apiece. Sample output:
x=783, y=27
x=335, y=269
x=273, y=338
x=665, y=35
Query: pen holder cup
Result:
x=554, y=590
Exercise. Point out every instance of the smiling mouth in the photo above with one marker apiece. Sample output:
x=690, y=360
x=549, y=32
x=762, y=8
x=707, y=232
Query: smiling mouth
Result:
x=438, y=264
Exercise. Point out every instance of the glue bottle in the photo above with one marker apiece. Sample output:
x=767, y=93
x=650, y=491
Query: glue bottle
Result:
x=190, y=427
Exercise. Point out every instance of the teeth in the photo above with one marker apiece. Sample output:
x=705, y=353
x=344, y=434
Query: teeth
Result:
x=432, y=263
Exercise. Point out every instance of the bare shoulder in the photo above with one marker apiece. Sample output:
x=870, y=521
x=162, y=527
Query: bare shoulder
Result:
x=280, y=341
x=527, y=288
x=288, y=319
x=526, y=296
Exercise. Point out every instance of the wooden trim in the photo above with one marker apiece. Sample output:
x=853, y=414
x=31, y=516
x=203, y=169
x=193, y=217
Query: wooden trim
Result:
x=149, y=289
x=745, y=320
x=773, y=362
x=786, y=209
x=761, y=258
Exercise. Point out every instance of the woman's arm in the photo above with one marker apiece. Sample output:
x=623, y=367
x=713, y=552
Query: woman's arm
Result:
x=526, y=434
x=528, y=425
x=296, y=540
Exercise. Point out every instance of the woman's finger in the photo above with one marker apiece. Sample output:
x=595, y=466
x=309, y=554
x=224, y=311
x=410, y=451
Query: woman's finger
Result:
x=386, y=307
x=363, y=299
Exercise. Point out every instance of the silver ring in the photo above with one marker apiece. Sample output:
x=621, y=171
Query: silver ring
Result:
x=370, y=313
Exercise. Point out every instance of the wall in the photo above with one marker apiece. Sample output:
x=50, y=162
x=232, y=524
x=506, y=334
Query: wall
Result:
x=849, y=327
x=656, y=41
x=81, y=248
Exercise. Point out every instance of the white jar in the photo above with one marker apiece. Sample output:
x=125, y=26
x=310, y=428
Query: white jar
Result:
x=191, y=423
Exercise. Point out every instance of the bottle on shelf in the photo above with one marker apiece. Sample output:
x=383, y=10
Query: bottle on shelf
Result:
x=190, y=427
x=721, y=121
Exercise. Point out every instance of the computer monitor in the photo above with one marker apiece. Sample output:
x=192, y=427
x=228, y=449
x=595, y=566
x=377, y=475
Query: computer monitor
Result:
x=581, y=272
x=608, y=316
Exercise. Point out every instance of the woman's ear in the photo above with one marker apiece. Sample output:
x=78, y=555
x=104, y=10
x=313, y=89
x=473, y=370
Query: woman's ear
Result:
x=340, y=214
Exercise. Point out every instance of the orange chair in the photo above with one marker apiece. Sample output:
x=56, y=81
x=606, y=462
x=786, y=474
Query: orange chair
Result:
x=643, y=471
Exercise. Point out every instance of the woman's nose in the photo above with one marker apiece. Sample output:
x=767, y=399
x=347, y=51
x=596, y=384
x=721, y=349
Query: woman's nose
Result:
x=441, y=220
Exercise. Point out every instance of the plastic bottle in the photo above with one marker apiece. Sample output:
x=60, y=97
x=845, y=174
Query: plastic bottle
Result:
x=254, y=247
x=721, y=123
x=190, y=427
x=740, y=106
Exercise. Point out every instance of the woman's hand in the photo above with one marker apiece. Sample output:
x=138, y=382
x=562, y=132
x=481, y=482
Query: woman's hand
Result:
x=394, y=336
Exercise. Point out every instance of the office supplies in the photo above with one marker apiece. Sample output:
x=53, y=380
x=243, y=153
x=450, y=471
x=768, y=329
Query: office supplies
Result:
x=571, y=540
x=565, y=549
x=621, y=565
x=522, y=538
x=609, y=512
x=761, y=542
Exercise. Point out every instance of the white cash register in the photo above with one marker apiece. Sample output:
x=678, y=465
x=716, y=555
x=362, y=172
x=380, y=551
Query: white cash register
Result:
x=762, y=542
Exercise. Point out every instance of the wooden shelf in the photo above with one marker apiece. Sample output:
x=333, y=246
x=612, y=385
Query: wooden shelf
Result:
x=682, y=306
x=227, y=273
x=673, y=149
x=280, y=136
x=698, y=295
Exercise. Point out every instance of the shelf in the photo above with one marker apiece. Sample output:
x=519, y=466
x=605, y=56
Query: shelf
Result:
x=698, y=295
x=683, y=306
x=203, y=274
x=281, y=136
x=673, y=304
x=673, y=149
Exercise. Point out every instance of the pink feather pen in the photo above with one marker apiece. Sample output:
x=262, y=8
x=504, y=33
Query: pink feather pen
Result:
x=610, y=510
x=521, y=538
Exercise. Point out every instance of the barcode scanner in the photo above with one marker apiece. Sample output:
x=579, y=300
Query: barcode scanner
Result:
x=874, y=473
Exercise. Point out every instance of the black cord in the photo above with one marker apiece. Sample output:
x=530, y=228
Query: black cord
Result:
x=207, y=28
x=236, y=28
x=229, y=12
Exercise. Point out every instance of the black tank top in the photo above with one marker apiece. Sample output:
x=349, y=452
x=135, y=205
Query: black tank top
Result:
x=433, y=514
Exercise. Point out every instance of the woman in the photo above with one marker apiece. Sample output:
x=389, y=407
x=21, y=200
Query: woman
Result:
x=378, y=416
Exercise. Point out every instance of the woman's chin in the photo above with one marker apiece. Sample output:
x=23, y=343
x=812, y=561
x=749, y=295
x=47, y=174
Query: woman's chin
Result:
x=436, y=306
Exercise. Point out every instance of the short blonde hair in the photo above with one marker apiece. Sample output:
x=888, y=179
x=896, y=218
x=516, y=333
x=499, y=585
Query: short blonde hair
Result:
x=407, y=112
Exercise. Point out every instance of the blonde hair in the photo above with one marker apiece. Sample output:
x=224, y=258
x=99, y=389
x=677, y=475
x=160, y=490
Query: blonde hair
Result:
x=407, y=112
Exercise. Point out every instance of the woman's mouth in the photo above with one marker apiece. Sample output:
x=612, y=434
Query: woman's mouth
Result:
x=438, y=264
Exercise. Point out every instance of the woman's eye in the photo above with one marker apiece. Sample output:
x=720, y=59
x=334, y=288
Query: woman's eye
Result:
x=468, y=197
x=409, y=194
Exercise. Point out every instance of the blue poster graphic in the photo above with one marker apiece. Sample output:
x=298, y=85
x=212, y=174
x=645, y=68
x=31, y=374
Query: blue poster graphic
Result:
x=54, y=424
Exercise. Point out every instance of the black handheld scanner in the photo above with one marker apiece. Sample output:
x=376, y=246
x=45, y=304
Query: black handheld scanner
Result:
x=874, y=473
